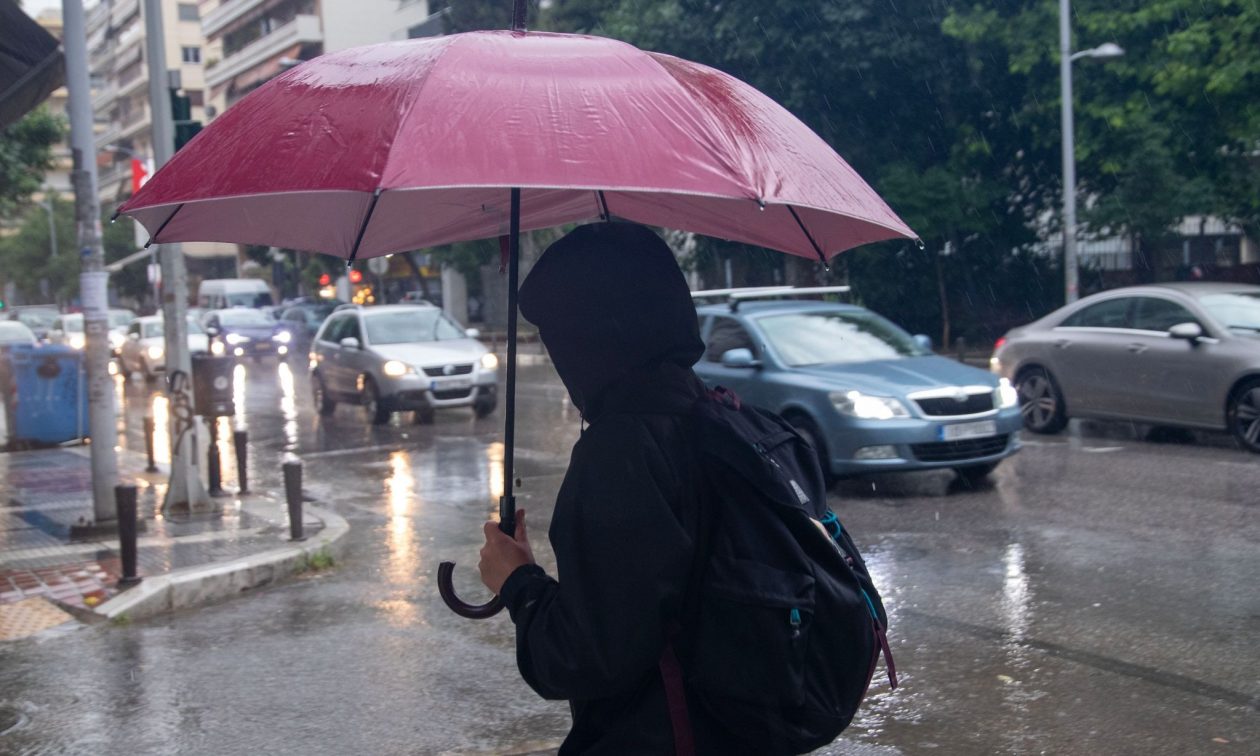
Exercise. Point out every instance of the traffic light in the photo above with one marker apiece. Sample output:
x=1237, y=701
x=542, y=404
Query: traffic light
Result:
x=181, y=114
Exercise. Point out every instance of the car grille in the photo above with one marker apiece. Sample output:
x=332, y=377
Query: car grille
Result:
x=438, y=372
x=948, y=406
x=452, y=394
x=957, y=451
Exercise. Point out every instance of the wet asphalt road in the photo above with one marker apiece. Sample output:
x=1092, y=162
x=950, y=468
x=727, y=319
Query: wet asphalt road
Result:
x=1099, y=597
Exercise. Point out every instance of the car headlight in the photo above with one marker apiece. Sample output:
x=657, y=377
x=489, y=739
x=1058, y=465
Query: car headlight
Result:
x=489, y=361
x=396, y=369
x=77, y=341
x=1005, y=396
x=235, y=338
x=283, y=337
x=217, y=348
x=867, y=407
x=155, y=352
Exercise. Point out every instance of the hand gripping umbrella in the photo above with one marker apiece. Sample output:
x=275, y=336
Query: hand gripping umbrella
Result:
x=407, y=145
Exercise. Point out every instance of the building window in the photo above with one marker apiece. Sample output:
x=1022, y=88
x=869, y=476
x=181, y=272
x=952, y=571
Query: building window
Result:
x=188, y=12
x=192, y=54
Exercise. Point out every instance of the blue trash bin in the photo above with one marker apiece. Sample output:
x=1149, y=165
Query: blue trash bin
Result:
x=50, y=394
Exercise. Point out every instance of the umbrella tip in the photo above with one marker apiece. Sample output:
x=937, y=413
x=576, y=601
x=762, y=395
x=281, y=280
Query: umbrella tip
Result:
x=919, y=243
x=114, y=217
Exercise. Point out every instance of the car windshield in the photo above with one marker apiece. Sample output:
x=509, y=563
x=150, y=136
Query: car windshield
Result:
x=248, y=299
x=237, y=318
x=1238, y=310
x=120, y=318
x=154, y=329
x=825, y=338
x=72, y=323
x=37, y=318
x=406, y=326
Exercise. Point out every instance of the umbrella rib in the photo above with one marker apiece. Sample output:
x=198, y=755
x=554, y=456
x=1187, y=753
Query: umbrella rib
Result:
x=603, y=203
x=162, y=227
x=376, y=195
x=821, y=257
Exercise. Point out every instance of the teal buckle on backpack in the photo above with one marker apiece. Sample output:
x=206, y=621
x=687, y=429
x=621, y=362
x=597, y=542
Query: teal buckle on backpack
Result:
x=830, y=519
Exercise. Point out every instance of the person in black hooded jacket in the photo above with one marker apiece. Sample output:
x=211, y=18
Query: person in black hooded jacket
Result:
x=614, y=311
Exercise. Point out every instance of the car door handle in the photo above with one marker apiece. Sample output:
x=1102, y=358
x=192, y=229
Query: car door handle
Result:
x=1136, y=348
x=1063, y=343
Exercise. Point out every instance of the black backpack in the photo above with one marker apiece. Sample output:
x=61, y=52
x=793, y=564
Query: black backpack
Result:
x=782, y=627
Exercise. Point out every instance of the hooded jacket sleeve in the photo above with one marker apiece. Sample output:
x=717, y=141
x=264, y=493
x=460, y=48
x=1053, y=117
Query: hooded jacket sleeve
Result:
x=623, y=558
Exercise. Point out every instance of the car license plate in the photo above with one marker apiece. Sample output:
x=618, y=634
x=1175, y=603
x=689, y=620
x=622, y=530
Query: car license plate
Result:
x=450, y=384
x=961, y=431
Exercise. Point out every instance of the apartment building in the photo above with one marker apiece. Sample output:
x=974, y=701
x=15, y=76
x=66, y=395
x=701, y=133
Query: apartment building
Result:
x=56, y=180
x=250, y=41
x=120, y=83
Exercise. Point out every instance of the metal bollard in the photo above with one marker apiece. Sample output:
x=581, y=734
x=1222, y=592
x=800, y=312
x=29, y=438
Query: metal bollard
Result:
x=293, y=493
x=148, y=444
x=214, y=468
x=125, y=506
x=239, y=439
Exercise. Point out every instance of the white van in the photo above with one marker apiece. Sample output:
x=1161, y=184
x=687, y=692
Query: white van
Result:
x=222, y=293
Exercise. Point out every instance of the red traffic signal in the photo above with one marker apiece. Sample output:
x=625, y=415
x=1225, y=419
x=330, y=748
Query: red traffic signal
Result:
x=325, y=280
x=356, y=276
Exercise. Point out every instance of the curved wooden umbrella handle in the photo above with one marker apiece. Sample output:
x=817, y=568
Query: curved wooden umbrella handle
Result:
x=459, y=606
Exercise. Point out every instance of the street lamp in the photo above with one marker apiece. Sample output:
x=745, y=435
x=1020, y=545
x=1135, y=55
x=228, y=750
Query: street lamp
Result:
x=1066, y=56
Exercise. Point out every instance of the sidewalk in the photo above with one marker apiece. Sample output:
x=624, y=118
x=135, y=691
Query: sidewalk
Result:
x=46, y=578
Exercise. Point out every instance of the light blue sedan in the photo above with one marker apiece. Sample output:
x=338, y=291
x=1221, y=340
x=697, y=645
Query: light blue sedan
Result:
x=870, y=397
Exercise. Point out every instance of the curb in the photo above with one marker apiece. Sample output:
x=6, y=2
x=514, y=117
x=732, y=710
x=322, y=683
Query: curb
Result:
x=193, y=586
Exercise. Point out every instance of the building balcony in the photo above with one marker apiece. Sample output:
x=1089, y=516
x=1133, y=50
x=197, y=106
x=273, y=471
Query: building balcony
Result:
x=302, y=29
x=123, y=10
x=227, y=12
x=103, y=97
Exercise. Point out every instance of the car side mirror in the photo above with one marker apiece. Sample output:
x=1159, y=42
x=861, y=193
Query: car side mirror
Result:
x=472, y=333
x=923, y=342
x=739, y=358
x=1191, y=332
x=351, y=342
x=133, y=336
x=212, y=331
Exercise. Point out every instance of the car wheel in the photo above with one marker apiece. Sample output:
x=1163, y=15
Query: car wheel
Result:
x=377, y=414
x=149, y=375
x=973, y=476
x=484, y=409
x=425, y=416
x=1040, y=401
x=1244, y=415
x=323, y=404
x=809, y=431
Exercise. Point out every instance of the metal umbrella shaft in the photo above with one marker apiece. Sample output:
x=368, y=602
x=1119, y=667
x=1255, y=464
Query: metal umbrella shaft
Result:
x=507, y=502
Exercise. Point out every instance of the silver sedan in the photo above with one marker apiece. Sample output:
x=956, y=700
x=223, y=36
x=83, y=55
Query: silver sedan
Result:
x=1183, y=354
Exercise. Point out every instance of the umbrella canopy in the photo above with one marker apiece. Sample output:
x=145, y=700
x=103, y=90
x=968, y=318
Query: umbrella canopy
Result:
x=407, y=145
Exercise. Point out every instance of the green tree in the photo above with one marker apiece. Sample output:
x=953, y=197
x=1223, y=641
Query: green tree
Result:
x=27, y=256
x=25, y=156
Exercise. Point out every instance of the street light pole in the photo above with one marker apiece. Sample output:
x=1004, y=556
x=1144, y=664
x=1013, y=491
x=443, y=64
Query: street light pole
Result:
x=1071, y=276
x=93, y=280
x=184, y=493
x=1070, y=271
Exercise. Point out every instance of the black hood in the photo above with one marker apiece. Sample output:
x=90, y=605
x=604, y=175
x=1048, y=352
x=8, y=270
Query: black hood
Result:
x=608, y=300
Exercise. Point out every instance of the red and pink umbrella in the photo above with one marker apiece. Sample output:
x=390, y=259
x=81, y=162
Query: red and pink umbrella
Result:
x=408, y=145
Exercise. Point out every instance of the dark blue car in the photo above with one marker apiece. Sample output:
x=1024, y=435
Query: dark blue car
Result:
x=245, y=332
x=870, y=397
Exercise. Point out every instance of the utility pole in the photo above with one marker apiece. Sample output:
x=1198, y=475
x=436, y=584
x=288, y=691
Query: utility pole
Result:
x=93, y=280
x=184, y=493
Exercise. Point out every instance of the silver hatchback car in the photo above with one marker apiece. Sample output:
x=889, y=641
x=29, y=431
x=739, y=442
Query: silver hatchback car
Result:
x=401, y=357
x=1183, y=354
